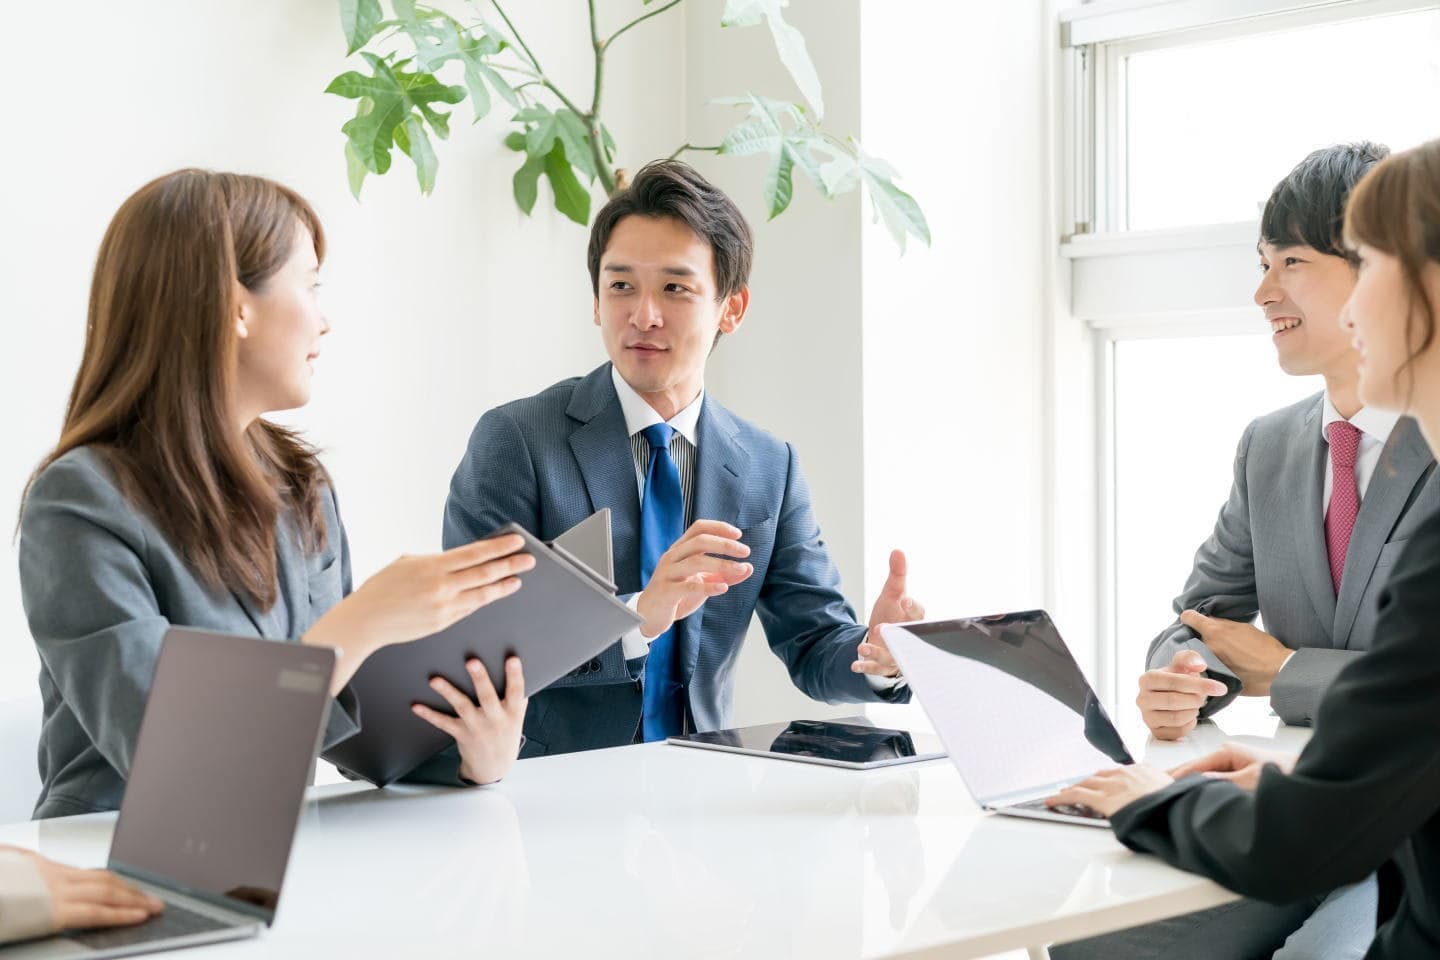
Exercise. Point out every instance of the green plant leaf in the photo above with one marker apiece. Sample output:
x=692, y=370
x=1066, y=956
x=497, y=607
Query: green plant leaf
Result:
x=421, y=151
x=764, y=131
x=440, y=38
x=499, y=84
x=526, y=182
x=899, y=211
x=387, y=99
x=757, y=135
x=576, y=136
x=607, y=142
x=789, y=43
x=354, y=170
x=779, y=187
x=360, y=19
x=539, y=138
x=571, y=197
x=515, y=140
x=840, y=174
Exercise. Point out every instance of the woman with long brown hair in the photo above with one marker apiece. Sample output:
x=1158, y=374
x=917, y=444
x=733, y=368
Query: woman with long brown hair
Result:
x=169, y=499
x=1366, y=788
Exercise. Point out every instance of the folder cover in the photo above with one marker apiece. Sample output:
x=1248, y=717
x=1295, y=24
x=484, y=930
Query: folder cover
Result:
x=564, y=614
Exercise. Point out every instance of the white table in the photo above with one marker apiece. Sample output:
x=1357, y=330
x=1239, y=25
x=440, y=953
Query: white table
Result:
x=665, y=852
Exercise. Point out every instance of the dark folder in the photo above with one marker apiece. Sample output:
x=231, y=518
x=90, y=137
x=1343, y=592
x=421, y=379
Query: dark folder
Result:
x=564, y=614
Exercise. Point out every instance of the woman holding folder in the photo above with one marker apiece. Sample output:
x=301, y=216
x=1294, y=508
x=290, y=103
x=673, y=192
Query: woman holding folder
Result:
x=1366, y=790
x=169, y=499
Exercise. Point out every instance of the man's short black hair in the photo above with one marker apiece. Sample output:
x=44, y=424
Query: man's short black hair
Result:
x=1308, y=207
x=670, y=188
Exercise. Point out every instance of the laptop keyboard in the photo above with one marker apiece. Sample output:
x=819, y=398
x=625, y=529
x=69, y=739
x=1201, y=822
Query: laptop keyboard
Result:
x=173, y=921
x=1068, y=809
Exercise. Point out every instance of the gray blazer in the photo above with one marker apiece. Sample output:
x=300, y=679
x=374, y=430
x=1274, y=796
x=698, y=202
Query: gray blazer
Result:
x=100, y=584
x=1267, y=555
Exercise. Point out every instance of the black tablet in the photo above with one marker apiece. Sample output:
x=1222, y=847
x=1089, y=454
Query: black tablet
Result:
x=851, y=742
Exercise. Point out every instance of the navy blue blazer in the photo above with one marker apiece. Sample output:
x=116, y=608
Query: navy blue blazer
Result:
x=549, y=461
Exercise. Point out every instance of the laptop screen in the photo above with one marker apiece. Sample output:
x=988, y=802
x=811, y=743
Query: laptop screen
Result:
x=1008, y=700
x=219, y=774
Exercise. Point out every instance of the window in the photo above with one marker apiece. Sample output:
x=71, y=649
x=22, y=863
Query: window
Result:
x=1177, y=119
x=1181, y=405
x=1229, y=118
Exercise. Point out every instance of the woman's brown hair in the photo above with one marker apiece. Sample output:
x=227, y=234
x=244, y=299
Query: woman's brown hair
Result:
x=1396, y=209
x=152, y=395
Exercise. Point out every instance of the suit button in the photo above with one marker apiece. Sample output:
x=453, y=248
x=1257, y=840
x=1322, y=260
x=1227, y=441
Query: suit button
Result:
x=594, y=666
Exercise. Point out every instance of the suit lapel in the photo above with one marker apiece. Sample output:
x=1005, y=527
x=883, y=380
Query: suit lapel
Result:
x=257, y=617
x=721, y=464
x=1402, y=464
x=293, y=568
x=293, y=584
x=1309, y=526
x=601, y=446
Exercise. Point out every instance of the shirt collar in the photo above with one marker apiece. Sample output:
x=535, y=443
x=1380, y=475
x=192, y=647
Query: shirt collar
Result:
x=639, y=414
x=1376, y=424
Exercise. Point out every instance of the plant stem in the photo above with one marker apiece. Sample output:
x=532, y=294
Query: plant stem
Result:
x=523, y=71
x=639, y=20
x=539, y=70
x=592, y=119
x=518, y=39
x=692, y=147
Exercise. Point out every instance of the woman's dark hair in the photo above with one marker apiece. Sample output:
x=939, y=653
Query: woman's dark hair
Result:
x=1396, y=210
x=1308, y=207
x=152, y=392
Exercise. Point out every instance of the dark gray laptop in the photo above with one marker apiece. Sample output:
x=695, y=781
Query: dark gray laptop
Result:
x=1013, y=708
x=215, y=792
x=564, y=614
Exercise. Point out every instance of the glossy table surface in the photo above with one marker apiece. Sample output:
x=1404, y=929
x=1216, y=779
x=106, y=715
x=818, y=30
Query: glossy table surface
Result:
x=663, y=851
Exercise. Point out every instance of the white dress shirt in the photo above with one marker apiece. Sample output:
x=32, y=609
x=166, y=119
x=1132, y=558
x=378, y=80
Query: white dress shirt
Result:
x=683, y=446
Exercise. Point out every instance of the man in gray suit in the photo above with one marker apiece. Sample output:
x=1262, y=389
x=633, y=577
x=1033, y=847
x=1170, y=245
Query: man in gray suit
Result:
x=1325, y=495
x=1326, y=492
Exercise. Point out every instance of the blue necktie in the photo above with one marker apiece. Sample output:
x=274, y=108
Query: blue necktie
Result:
x=662, y=521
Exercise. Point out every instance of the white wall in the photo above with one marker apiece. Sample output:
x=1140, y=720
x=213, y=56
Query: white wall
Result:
x=446, y=306
x=953, y=96
x=441, y=307
x=794, y=367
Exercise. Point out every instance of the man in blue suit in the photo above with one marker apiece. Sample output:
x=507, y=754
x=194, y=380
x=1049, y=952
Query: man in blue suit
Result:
x=710, y=514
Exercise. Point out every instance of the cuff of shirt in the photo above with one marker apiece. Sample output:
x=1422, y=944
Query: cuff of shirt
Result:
x=885, y=684
x=634, y=644
x=1285, y=662
x=26, y=900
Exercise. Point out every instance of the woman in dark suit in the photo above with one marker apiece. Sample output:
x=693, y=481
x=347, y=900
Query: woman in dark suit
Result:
x=1366, y=788
x=169, y=499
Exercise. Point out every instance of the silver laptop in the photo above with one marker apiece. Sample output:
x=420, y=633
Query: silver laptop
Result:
x=215, y=792
x=1012, y=707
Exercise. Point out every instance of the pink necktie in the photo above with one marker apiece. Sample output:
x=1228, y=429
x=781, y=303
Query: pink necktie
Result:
x=1344, y=495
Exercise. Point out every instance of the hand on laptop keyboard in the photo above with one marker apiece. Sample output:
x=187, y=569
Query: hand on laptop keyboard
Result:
x=175, y=921
x=1066, y=809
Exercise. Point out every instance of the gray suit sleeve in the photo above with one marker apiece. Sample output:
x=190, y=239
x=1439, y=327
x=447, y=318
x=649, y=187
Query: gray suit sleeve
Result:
x=1298, y=688
x=1221, y=584
x=343, y=720
x=92, y=608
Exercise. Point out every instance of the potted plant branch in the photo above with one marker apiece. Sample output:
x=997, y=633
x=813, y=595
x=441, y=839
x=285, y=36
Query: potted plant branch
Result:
x=401, y=101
